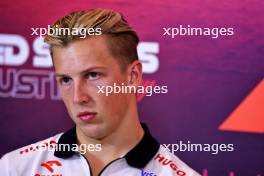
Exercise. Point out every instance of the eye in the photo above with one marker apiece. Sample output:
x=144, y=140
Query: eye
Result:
x=93, y=75
x=65, y=81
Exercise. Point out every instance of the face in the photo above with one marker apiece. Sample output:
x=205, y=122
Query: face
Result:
x=80, y=68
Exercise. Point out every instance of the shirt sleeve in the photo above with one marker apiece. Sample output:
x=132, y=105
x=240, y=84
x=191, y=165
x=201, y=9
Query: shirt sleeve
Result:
x=5, y=169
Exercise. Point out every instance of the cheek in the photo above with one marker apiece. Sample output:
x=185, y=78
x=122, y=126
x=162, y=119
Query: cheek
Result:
x=64, y=93
x=116, y=104
x=66, y=96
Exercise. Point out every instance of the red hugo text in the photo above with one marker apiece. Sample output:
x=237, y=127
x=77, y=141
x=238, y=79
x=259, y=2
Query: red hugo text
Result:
x=166, y=162
x=51, y=144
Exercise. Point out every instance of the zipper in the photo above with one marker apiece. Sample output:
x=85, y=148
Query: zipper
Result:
x=101, y=172
x=91, y=173
x=104, y=168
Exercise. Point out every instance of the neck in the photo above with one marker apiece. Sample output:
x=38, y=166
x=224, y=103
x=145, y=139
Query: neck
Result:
x=119, y=142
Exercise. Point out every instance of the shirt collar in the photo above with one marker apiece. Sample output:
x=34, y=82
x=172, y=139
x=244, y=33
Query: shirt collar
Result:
x=138, y=157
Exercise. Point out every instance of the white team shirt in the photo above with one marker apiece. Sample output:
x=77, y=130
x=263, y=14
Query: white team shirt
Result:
x=147, y=158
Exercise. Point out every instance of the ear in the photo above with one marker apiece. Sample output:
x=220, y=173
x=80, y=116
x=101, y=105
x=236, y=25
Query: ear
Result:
x=135, y=73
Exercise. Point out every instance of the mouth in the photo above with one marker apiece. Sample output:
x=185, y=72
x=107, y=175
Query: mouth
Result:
x=86, y=116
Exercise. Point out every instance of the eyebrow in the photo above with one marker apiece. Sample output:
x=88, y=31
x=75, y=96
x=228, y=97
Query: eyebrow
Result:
x=82, y=72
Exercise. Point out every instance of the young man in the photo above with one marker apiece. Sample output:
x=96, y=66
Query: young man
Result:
x=118, y=144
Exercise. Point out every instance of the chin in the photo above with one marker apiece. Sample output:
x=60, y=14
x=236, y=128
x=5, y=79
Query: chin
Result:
x=94, y=131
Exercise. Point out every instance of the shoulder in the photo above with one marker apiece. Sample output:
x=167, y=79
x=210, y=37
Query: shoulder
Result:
x=23, y=157
x=167, y=163
x=33, y=149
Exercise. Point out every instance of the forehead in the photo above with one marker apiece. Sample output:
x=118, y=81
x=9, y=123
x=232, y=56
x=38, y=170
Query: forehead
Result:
x=80, y=54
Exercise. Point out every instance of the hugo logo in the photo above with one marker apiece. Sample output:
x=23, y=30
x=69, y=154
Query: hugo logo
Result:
x=166, y=162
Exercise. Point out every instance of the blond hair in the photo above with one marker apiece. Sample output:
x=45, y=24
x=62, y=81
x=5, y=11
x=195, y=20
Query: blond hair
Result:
x=122, y=40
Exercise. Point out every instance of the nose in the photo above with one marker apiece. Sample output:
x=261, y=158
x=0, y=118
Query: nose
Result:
x=80, y=93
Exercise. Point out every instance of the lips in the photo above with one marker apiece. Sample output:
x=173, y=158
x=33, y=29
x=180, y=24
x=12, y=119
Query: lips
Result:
x=87, y=116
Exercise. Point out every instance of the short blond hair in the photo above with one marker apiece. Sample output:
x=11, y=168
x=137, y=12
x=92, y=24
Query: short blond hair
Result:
x=122, y=40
